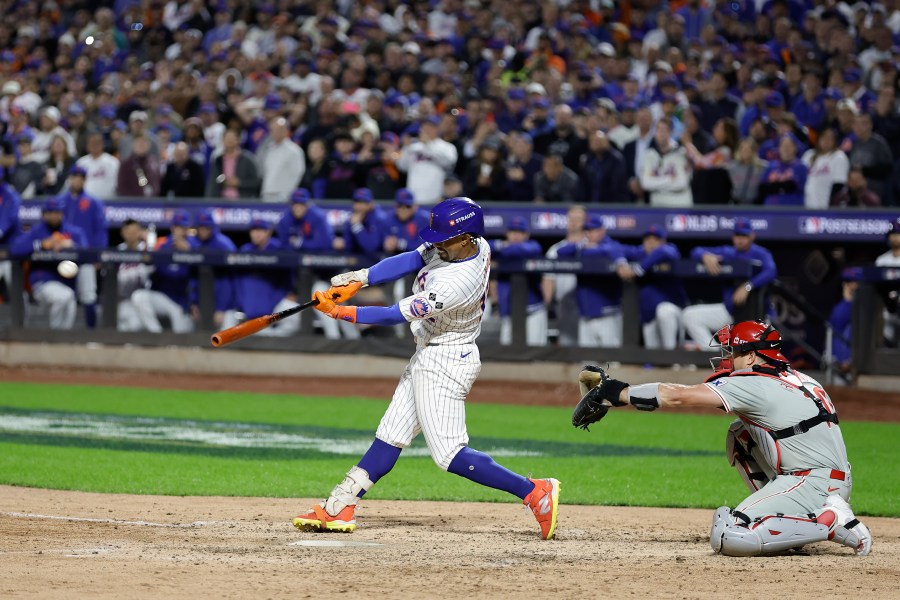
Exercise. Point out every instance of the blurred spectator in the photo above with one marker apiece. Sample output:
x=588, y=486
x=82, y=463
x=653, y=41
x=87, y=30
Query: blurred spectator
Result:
x=556, y=182
x=891, y=258
x=213, y=128
x=198, y=149
x=871, y=153
x=711, y=182
x=9, y=227
x=77, y=126
x=809, y=107
x=50, y=128
x=29, y=169
x=48, y=288
x=315, y=176
x=603, y=176
x=426, y=162
x=485, y=177
x=59, y=162
x=599, y=297
x=169, y=294
x=841, y=321
x=375, y=163
x=88, y=214
x=102, y=169
x=562, y=139
x=521, y=168
x=746, y=172
x=139, y=173
x=453, y=187
x=131, y=276
x=694, y=135
x=662, y=296
x=341, y=168
x=559, y=288
x=518, y=245
x=828, y=169
x=717, y=103
x=702, y=320
x=281, y=163
x=404, y=224
x=259, y=291
x=365, y=230
x=666, y=172
x=210, y=238
x=184, y=176
x=635, y=151
x=233, y=174
x=784, y=180
x=137, y=126
x=886, y=120
x=856, y=193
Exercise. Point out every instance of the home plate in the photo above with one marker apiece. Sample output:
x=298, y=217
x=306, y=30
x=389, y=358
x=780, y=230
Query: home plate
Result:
x=332, y=543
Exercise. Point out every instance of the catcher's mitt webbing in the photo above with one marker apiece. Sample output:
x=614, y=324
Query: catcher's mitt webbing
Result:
x=602, y=393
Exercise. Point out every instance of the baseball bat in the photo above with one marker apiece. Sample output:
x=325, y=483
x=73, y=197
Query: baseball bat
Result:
x=239, y=332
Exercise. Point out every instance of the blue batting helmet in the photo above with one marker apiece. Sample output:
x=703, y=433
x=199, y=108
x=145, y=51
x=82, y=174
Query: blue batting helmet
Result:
x=453, y=217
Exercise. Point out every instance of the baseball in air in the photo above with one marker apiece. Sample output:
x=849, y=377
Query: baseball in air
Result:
x=67, y=269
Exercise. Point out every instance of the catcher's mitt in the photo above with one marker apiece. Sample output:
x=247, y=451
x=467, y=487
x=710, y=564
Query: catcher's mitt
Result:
x=600, y=392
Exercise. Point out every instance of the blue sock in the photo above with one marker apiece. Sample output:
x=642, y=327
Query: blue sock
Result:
x=378, y=460
x=481, y=468
x=90, y=315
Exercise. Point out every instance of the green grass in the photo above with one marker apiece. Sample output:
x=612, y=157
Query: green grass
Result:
x=659, y=459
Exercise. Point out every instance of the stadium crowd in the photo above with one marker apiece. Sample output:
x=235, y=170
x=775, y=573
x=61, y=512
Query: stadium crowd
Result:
x=673, y=104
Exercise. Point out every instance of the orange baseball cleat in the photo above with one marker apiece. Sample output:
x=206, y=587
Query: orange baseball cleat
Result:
x=319, y=520
x=544, y=503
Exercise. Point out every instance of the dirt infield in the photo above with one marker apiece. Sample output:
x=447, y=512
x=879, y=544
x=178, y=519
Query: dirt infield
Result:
x=56, y=544
x=71, y=544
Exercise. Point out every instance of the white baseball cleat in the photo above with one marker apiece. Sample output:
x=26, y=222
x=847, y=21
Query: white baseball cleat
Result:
x=843, y=526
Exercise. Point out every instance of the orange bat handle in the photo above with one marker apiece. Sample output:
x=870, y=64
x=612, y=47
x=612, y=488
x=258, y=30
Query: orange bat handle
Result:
x=239, y=332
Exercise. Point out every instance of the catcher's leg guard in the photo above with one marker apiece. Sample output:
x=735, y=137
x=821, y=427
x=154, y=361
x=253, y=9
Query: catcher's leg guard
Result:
x=733, y=536
x=752, y=452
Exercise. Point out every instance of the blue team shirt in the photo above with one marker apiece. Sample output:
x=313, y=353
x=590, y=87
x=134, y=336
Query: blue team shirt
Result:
x=781, y=171
x=368, y=236
x=42, y=271
x=312, y=232
x=656, y=288
x=224, y=287
x=175, y=281
x=258, y=291
x=597, y=296
x=10, y=201
x=87, y=213
x=407, y=232
x=759, y=256
x=526, y=249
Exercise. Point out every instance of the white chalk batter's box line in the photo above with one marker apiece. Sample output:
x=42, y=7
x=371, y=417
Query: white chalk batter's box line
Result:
x=111, y=521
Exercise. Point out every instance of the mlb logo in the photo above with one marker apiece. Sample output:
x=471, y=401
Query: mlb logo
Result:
x=810, y=225
x=676, y=223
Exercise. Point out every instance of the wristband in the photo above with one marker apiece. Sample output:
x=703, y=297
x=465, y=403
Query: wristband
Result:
x=644, y=396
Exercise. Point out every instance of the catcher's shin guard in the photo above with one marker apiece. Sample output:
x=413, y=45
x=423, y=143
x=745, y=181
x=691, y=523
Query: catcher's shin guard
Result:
x=735, y=537
x=749, y=450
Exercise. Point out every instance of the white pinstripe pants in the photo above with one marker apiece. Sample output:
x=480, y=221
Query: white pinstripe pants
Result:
x=431, y=398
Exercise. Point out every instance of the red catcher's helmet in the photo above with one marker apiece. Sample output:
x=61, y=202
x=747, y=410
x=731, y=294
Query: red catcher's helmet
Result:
x=748, y=336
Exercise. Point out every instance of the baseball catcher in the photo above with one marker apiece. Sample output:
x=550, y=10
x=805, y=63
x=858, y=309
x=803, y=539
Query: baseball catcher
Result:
x=786, y=443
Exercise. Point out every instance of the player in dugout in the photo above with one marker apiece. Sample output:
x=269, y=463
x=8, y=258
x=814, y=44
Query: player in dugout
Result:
x=786, y=444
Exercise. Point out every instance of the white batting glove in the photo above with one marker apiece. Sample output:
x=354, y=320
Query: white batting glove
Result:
x=344, y=278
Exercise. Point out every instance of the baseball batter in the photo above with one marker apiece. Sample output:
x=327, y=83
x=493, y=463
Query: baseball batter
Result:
x=786, y=445
x=445, y=312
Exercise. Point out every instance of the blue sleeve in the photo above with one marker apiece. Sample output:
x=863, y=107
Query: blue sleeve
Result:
x=769, y=270
x=698, y=252
x=567, y=250
x=9, y=211
x=369, y=237
x=379, y=315
x=100, y=233
x=635, y=253
x=80, y=238
x=665, y=253
x=282, y=229
x=323, y=235
x=24, y=244
x=527, y=248
x=395, y=267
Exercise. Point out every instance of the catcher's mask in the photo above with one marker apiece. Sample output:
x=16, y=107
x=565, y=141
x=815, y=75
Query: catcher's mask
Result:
x=744, y=337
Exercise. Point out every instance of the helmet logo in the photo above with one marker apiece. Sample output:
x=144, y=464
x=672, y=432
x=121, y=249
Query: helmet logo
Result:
x=452, y=222
x=463, y=218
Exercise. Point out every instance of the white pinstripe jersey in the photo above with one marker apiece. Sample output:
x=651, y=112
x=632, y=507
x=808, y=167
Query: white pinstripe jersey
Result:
x=448, y=297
